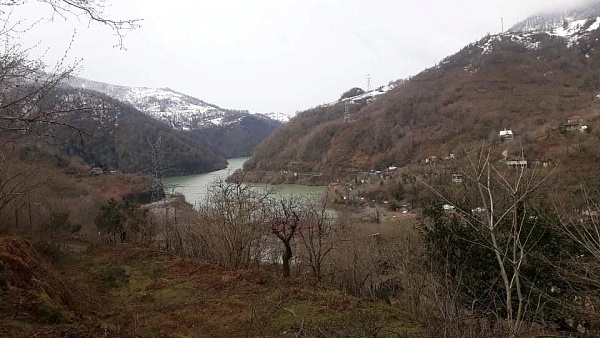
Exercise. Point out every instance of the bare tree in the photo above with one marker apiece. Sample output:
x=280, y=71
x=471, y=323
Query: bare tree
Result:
x=582, y=269
x=27, y=89
x=503, y=221
x=232, y=223
x=26, y=83
x=18, y=181
x=318, y=236
x=157, y=170
x=91, y=10
x=582, y=224
x=285, y=222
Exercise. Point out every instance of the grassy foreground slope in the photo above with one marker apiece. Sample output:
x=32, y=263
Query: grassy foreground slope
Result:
x=128, y=291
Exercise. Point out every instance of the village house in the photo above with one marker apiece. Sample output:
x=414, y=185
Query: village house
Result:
x=517, y=163
x=353, y=194
x=405, y=208
x=432, y=159
x=546, y=163
x=97, y=171
x=457, y=178
x=506, y=135
x=574, y=122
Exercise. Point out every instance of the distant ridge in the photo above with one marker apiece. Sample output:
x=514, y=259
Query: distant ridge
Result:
x=230, y=132
x=181, y=111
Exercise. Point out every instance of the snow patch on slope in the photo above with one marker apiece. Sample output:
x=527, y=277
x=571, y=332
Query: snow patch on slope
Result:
x=526, y=39
x=571, y=31
x=179, y=110
x=369, y=96
x=572, y=25
x=576, y=30
x=281, y=117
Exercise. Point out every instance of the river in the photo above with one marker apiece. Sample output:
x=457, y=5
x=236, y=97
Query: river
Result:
x=195, y=187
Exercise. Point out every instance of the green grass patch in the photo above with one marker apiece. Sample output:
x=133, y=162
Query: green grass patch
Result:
x=152, y=271
x=113, y=276
x=50, y=313
x=3, y=306
x=21, y=326
x=168, y=297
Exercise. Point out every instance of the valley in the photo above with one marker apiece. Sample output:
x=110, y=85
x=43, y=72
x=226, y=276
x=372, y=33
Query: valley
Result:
x=461, y=201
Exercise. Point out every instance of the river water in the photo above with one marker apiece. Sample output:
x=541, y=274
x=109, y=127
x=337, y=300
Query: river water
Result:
x=195, y=187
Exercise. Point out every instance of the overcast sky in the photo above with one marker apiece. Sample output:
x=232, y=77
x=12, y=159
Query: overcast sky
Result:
x=273, y=55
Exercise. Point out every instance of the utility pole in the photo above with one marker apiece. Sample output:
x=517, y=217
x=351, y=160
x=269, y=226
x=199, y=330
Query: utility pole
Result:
x=368, y=82
x=502, y=21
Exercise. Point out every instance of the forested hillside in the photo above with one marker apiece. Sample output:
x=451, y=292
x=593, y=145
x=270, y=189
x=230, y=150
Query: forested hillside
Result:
x=228, y=132
x=238, y=138
x=527, y=82
x=115, y=135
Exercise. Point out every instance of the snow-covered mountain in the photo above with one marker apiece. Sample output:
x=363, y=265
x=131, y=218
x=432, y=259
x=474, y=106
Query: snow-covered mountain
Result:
x=573, y=26
x=558, y=21
x=117, y=135
x=179, y=110
x=281, y=117
x=230, y=133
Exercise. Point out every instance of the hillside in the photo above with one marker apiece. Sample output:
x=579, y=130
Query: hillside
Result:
x=232, y=133
x=529, y=82
x=551, y=21
x=118, y=136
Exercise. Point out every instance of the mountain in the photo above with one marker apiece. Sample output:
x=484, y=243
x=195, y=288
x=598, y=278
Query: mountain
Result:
x=181, y=111
x=233, y=133
x=116, y=135
x=553, y=21
x=528, y=80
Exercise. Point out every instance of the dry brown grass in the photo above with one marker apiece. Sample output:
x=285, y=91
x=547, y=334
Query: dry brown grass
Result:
x=163, y=295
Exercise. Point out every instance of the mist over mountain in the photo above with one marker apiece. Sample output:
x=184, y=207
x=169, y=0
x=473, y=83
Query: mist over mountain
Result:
x=549, y=21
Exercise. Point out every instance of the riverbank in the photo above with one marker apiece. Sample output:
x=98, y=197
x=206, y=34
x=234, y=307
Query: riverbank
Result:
x=195, y=187
x=282, y=177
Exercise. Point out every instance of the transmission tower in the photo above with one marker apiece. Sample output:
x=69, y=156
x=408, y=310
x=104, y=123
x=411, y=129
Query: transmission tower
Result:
x=346, y=113
x=157, y=188
x=368, y=82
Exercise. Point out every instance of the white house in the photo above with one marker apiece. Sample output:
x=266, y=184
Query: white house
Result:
x=506, y=135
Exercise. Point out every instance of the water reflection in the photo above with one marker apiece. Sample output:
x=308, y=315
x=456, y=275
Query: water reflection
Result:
x=195, y=187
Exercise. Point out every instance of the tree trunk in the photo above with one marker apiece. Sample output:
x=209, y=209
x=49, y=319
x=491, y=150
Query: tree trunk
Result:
x=287, y=257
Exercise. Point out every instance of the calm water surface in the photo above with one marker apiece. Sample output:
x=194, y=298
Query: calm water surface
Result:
x=195, y=187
